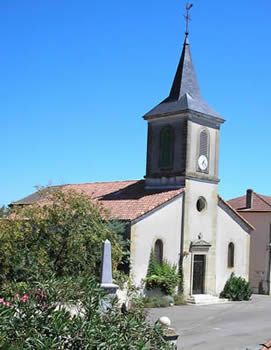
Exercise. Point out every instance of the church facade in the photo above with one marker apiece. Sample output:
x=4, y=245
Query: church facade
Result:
x=176, y=210
x=197, y=230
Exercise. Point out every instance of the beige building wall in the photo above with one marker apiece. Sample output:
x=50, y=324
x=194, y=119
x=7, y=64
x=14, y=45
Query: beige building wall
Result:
x=259, y=272
x=193, y=151
x=164, y=223
x=229, y=230
x=200, y=223
x=214, y=225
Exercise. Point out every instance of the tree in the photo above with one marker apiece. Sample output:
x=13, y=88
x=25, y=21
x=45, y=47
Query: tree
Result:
x=4, y=211
x=62, y=233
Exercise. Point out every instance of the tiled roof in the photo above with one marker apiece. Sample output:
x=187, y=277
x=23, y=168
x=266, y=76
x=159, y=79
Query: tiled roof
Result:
x=36, y=196
x=260, y=203
x=126, y=200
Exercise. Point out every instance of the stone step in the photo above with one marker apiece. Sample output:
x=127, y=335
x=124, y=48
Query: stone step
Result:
x=205, y=299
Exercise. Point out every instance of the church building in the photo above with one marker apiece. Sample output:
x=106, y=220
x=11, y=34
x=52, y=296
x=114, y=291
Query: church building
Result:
x=176, y=210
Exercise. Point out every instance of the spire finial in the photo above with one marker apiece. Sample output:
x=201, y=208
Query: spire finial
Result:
x=187, y=17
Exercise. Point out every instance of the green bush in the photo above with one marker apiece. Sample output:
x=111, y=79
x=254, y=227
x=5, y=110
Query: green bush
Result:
x=179, y=299
x=163, y=301
x=120, y=278
x=163, y=276
x=40, y=319
x=10, y=288
x=153, y=302
x=62, y=234
x=237, y=289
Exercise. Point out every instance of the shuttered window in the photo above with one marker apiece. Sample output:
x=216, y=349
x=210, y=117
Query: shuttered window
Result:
x=166, y=147
x=203, y=148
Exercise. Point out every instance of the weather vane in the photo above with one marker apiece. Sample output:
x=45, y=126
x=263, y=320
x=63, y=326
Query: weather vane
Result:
x=187, y=17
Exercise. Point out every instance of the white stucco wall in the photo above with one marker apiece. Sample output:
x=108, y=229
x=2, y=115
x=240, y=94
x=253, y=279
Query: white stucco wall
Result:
x=164, y=223
x=203, y=223
x=228, y=230
x=259, y=269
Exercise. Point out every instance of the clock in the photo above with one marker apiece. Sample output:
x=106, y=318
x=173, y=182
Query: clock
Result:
x=203, y=162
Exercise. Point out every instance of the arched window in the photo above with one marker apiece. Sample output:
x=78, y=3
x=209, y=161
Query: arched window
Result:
x=158, y=251
x=166, y=147
x=231, y=255
x=203, y=143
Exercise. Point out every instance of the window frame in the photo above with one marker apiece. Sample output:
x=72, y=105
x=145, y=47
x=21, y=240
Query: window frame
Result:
x=166, y=147
x=159, y=245
x=231, y=250
x=204, y=149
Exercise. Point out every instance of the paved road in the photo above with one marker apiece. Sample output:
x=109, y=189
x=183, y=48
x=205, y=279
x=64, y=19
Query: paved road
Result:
x=230, y=326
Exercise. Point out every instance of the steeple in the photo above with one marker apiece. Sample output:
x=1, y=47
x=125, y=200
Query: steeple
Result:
x=185, y=81
x=185, y=92
x=183, y=131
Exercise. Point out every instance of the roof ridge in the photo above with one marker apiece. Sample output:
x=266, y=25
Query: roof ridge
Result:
x=232, y=199
x=180, y=191
x=103, y=182
x=235, y=211
x=261, y=198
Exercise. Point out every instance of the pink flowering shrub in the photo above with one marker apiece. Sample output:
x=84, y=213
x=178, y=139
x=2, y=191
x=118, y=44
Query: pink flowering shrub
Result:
x=5, y=303
x=24, y=298
x=40, y=319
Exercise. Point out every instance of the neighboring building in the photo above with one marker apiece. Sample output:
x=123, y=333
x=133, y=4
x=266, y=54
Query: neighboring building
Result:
x=176, y=210
x=256, y=209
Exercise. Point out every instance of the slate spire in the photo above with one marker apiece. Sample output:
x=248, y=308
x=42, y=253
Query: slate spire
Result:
x=185, y=93
x=185, y=80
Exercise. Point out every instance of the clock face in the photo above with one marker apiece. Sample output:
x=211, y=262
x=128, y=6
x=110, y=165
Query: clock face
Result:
x=203, y=162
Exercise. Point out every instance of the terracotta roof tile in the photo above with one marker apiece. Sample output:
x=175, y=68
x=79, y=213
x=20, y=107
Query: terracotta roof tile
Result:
x=260, y=203
x=126, y=200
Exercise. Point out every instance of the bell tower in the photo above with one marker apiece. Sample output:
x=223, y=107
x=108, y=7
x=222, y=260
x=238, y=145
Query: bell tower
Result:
x=183, y=151
x=183, y=133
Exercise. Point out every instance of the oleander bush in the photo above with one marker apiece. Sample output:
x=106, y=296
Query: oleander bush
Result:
x=236, y=289
x=42, y=319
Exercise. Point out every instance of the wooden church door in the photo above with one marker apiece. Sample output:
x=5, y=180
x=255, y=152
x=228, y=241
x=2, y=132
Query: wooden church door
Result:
x=198, y=274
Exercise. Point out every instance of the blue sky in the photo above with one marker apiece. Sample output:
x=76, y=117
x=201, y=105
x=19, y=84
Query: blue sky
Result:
x=77, y=75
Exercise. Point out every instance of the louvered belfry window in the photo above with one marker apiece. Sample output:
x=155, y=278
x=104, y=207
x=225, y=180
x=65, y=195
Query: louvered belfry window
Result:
x=166, y=147
x=203, y=148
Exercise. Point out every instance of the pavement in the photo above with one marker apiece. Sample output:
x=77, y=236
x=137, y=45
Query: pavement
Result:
x=239, y=325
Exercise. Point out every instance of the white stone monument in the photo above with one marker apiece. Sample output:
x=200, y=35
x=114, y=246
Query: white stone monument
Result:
x=106, y=275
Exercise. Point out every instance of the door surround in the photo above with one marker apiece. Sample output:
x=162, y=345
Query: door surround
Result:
x=199, y=248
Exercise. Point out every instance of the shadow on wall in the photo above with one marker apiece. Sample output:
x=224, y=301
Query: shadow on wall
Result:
x=263, y=287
